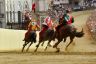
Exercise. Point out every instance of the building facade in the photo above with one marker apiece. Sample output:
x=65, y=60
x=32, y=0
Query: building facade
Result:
x=2, y=13
x=10, y=9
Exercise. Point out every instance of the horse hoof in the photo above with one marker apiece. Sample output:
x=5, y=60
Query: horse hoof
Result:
x=49, y=45
x=58, y=51
x=41, y=44
x=37, y=45
x=22, y=51
x=35, y=41
x=54, y=46
x=35, y=50
x=26, y=50
x=45, y=49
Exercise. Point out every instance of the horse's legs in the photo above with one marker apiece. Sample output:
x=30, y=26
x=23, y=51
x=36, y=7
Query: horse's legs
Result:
x=58, y=49
x=48, y=44
x=71, y=40
x=56, y=44
x=37, y=46
x=29, y=46
x=64, y=39
x=24, y=45
x=42, y=44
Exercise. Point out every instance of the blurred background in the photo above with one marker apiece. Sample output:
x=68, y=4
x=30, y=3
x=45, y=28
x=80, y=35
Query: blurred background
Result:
x=12, y=11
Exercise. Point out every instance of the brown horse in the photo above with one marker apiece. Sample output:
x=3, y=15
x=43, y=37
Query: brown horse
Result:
x=46, y=36
x=67, y=31
x=31, y=39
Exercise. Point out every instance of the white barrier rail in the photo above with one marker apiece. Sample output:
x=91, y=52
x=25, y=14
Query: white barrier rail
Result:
x=11, y=40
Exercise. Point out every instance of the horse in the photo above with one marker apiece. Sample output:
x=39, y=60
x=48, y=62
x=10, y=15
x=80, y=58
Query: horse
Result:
x=46, y=36
x=31, y=39
x=64, y=32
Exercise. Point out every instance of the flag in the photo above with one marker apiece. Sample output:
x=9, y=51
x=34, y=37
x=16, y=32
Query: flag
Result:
x=33, y=7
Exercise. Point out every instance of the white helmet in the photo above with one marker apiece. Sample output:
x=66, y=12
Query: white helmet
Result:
x=44, y=23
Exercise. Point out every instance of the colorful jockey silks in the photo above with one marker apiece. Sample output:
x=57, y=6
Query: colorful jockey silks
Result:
x=48, y=22
x=68, y=19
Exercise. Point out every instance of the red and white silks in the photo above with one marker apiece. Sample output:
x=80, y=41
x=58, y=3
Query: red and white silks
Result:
x=70, y=20
x=48, y=22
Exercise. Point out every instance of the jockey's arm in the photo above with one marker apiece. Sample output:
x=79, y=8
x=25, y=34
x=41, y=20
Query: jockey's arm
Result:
x=29, y=25
x=38, y=26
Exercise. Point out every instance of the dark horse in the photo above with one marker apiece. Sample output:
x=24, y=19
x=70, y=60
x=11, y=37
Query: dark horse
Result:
x=46, y=36
x=67, y=31
x=31, y=39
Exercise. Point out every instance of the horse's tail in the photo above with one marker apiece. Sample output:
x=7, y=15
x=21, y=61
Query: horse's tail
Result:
x=79, y=34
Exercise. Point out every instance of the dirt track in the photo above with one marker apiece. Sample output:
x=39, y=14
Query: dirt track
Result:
x=29, y=58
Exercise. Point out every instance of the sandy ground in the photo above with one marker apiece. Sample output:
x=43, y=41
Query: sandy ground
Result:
x=29, y=58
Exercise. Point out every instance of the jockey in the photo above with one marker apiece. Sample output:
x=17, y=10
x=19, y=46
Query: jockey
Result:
x=26, y=16
x=67, y=19
x=32, y=27
x=47, y=24
x=27, y=19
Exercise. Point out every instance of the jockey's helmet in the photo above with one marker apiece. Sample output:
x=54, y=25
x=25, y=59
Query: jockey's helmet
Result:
x=44, y=23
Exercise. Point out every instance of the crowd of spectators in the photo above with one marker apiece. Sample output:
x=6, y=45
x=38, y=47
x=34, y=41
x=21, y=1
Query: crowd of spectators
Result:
x=91, y=23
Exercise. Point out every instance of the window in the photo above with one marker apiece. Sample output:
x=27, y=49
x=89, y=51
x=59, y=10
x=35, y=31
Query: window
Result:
x=1, y=10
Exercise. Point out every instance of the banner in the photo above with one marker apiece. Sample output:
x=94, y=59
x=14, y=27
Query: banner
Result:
x=33, y=7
